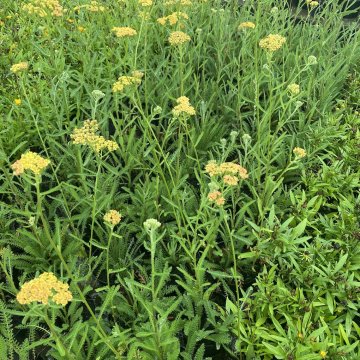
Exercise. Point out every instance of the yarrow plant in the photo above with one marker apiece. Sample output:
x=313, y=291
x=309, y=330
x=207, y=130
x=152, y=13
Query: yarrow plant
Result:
x=124, y=82
x=19, y=67
x=178, y=38
x=112, y=217
x=183, y=107
x=124, y=31
x=272, y=42
x=30, y=161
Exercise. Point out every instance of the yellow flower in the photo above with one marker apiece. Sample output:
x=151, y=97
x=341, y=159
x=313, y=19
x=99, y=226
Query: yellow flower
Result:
x=232, y=168
x=81, y=29
x=272, y=42
x=123, y=31
x=178, y=2
x=294, y=89
x=216, y=197
x=230, y=180
x=126, y=81
x=30, y=161
x=212, y=168
x=145, y=3
x=17, y=102
x=43, y=289
x=173, y=18
x=246, y=25
x=112, y=217
x=22, y=66
x=94, y=6
x=178, y=38
x=44, y=7
x=323, y=354
x=87, y=136
x=299, y=152
x=183, y=107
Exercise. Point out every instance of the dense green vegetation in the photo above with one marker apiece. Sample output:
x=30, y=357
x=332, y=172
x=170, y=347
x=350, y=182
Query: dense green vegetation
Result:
x=179, y=180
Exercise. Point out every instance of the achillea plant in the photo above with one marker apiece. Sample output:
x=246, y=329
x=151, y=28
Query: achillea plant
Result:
x=124, y=82
x=183, y=107
x=123, y=31
x=22, y=66
x=178, y=38
x=272, y=42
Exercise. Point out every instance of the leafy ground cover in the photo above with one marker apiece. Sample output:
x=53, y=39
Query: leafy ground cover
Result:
x=179, y=180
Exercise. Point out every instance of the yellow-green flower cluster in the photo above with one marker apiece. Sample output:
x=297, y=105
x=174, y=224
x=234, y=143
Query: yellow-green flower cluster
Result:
x=123, y=31
x=43, y=289
x=272, y=42
x=94, y=6
x=112, y=217
x=178, y=38
x=246, y=25
x=230, y=171
x=178, y=2
x=173, y=18
x=183, y=107
x=87, y=136
x=299, y=152
x=294, y=89
x=312, y=3
x=22, y=66
x=43, y=8
x=30, y=161
x=126, y=81
x=145, y=3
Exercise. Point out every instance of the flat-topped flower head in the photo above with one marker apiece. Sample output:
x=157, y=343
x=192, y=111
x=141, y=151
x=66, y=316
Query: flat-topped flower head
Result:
x=151, y=224
x=178, y=38
x=246, y=25
x=43, y=289
x=126, y=81
x=272, y=42
x=30, y=161
x=123, y=31
x=230, y=180
x=183, y=107
x=43, y=8
x=216, y=197
x=112, y=217
x=21, y=66
x=228, y=170
x=145, y=3
x=299, y=152
x=294, y=89
x=173, y=18
x=94, y=6
x=86, y=135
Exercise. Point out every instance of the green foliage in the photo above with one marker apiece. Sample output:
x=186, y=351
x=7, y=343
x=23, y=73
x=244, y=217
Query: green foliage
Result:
x=268, y=268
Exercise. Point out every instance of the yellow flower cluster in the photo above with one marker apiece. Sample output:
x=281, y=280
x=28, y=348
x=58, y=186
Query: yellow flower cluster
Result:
x=30, y=161
x=123, y=31
x=294, y=89
x=125, y=81
x=112, y=217
x=178, y=38
x=17, y=102
x=87, y=136
x=312, y=3
x=145, y=3
x=173, y=18
x=94, y=6
x=272, y=42
x=44, y=7
x=246, y=25
x=228, y=170
x=216, y=197
x=183, y=107
x=43, y=289
x=19, y=67
x=299, y=152
x=178, y=2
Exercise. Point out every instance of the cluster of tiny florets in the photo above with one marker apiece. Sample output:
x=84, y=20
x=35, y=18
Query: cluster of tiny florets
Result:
x=112, y=217
x=43, y=8
x=87, y=136
x=246, y=25
x=183, y=107
x=294, y=89
x=94, y=6
x=299, y=152
x=216, y=197
x=43, y=289
x=30, y=161
x=226, y=168
x=272, y=42
x=178, y=2
x=173, y=18
x=123, y=31
x=145, y=3
x=126, y=81
x=178, y=38
x=22, y=66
